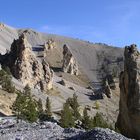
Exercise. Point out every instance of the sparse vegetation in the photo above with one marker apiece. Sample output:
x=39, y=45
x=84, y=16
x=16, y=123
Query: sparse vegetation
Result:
x=97, y=106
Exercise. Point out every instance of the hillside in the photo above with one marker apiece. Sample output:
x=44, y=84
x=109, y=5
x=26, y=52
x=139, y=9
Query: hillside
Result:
x=89, y=56
x=95, y=62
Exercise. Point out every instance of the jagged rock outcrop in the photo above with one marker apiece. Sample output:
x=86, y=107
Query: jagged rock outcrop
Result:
x=111, y=81
x=129, y=109
x=50, y=44
x=69, y=63
x=108, y=90
x=25, y=66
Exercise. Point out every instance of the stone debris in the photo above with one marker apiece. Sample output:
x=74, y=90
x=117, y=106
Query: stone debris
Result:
x=99, y=134
x=52, y=131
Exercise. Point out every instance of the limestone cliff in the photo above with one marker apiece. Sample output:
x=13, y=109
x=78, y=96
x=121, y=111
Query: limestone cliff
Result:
x=69, y=63
x=26, y=67
x=129, y=109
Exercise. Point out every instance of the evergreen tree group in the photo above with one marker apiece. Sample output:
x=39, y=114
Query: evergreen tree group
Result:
x=67, y=119
x=97, y=121
x=70, y=112
x=27, y=108
x=44, y=115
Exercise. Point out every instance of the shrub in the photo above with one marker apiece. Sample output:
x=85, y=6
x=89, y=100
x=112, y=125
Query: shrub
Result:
x=97, y=105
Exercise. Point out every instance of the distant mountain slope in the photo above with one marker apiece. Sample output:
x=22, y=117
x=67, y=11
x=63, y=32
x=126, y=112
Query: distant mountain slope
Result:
x=90, y=56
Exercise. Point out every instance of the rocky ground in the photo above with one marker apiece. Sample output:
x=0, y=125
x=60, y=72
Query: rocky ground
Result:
x=10, y=130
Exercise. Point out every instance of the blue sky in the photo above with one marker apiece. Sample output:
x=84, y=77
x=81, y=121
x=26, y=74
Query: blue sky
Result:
x=114, y=22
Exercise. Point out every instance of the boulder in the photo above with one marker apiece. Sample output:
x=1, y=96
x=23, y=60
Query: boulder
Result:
x=129, y=108
x=26, y=67
x=63, y=82
x=69, y=63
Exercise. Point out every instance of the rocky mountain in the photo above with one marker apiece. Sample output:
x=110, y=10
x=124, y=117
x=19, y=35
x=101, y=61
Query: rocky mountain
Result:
x=25, y=67
x=29, y=55
x=94, y=60
x=129, y=113
x=69, y=63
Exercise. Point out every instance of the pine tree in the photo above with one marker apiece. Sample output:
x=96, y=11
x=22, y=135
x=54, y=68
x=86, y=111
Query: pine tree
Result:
x=30, y=112
x=40, y=106
x=19, y=105
x=67, y=119
x=74, y=105
x=25, y=107
x=86, y=121
x=48, y=109
x=41, y=113
x=99, y=121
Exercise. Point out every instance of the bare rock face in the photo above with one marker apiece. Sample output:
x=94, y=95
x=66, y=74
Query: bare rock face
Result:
x=50, y=44
x=69, y=63
x=108, y=90
x=129, y=109
x=25, y=66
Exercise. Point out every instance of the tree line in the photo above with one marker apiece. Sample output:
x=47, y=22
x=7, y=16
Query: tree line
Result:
x=27, y=108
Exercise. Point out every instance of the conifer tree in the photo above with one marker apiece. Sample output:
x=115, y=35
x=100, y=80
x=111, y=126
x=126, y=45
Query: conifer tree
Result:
x=74, y=105
x=41, y=113
x=48, y=109
x=86, y=121
x=25, y=107
x=19, y=105
x=30, y=112
x=99, y=121
x=40, y=106
x=67, y=119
